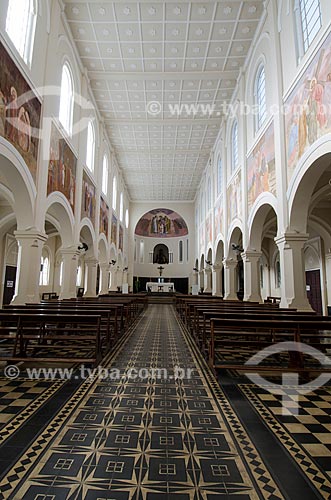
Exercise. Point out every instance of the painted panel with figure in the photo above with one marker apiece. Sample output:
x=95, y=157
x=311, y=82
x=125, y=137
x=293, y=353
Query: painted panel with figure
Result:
x=202, y=236
x=88, y=198
x=308, y=108
x=161, y=223
x=208, y=229
x=104, y=217
x=20, y=112
x=218, y=218
x=120, y=238
x=113, y=231
x=234, y=198
x=61, y=167
x=261, y=172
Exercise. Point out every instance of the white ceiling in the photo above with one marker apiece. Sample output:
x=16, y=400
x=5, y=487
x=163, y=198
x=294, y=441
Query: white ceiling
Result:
x=168, y=51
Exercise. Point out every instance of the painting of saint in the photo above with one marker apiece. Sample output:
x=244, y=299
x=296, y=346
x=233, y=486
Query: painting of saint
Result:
x=61, y=167
x=208, y=229
x=88, y=198
x=113, y=232
x=104, y=217
x=218, y=218
x=161, y=223
x=261, y=174
x=308, y=110
x=20, y=112
x=234, y=199
x=120, y=237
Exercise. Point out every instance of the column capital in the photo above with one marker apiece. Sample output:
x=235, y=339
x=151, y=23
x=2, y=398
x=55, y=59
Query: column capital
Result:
x=91, y=261
x=250, y=255
x=30, y=234
x=104, y=265
x=291, y=236
x=230, y=263
x=69, y=251
x=218, y=267
x=208, y=269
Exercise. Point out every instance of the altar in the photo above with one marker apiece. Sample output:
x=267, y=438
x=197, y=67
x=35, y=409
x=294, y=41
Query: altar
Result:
x=154, y=286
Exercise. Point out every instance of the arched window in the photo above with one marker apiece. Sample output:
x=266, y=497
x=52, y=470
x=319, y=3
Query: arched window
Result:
x=90, y=146
x=219, y=176
x=126, y=218
x=61, y=274
x=260, y=98
x=234, y=146
x=180, y=251
x=21, y=26
x=121, y=207
x=114, y=193
x=66, y=99
x=105, y=174
x=44, y=271
x=309, y=22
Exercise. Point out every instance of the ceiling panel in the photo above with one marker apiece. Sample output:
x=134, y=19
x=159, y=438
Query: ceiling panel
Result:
x=177, y=55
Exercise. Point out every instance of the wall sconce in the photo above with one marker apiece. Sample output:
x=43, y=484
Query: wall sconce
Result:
x=208, y=262
x=83, y=246
x=125, y=269
x=236, y=248
x=195, y=269
x=112, y=262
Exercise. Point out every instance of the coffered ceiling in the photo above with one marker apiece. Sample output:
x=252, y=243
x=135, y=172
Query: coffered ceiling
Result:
x=145, y=57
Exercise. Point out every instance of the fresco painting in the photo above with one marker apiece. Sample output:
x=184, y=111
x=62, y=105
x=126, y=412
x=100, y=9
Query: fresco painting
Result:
x=308, y=107
x=202, y=236
x=218, y=218
x=261, y=172
x=120, y=237
x=113, y=231
x=20, y=112
x=61, y=167
x=234, y=199
x=209, y=229
x=104, y=217
x=88, y=198
x=161, y=223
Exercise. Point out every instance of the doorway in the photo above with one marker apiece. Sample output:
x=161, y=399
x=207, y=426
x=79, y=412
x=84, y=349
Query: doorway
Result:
x=313, y=287
x=9, y=285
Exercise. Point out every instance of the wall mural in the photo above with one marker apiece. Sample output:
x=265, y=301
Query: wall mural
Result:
x=61, y=167
x=308, y=108
x=208, y=229
x=113, y=231
x=261, y=173
x=218, y=218
x=20, y=112
x=202, y=236
x=161, y=223
x=120, y=237
x=104, y=217
x=88, y=198
x=234, y=198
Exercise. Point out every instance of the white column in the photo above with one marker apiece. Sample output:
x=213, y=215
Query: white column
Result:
x=69, y=257
x=113, y=278
x=217, y=280
x=208, y=286
x=30, y=245
x=252, y=288
x=230, y=279
x=90, y=277
x=328, y=278
x=201, y=279
x=104, y=278
x=293, y=279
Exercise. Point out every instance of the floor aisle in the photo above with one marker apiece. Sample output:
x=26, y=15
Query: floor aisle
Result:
x=150, y=438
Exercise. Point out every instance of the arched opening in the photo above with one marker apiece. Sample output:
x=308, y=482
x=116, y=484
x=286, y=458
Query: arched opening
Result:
x=218, y=288
x=161, y=254
x=235, y=251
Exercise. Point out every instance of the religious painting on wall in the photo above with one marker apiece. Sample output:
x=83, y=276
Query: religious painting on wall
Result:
x=88, y=198
x=308, y=107
x=161, y=223
x=234, y=198
x=261, y=172
x=104, y=217
x=120, y=237
x=113, y=231
x=202, y=236
x=61, y=167
x=218, y=218
x=208, y=229
x=20, y=112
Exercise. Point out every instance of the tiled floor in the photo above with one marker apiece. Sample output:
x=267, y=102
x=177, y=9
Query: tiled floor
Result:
x=160, y=436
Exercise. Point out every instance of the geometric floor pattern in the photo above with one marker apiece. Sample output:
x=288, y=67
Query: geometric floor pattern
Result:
x=153, y=426
x=302, y=423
